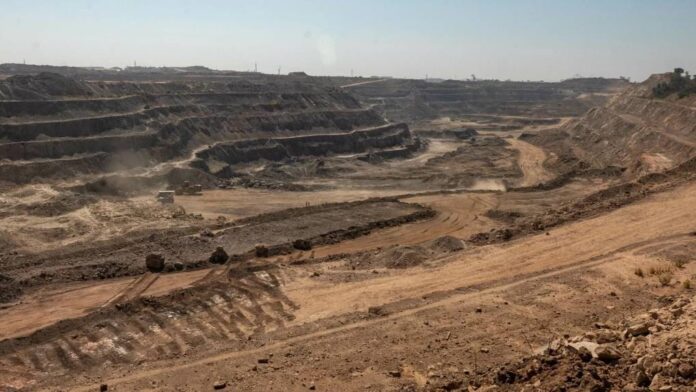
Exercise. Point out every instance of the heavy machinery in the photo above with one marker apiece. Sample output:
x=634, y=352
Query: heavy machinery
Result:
x=187, y=189
x=165, y=197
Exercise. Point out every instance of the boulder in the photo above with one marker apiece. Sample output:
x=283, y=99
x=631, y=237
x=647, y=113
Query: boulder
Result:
x=302, y=245
x=638, y=329
x=686, y=370
x=591, y=347
x=447, y=244
x=607, y=353
x=219, y=256
x=649, y=365
x=261, y=250
x=642, y=379
x=607, y=336
x=154, y=262
x=659, y=383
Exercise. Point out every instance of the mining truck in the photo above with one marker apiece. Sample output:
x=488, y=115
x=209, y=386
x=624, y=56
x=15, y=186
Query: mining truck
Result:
x=187, y=189
x=165, y=197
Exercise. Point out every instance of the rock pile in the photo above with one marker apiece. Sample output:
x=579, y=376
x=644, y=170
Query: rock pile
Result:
x=655, y=351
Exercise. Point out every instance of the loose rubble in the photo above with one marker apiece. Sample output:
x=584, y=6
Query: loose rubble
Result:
x=655, y=351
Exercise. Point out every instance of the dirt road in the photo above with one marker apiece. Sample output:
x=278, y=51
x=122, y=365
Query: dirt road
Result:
x=459, y=215
x=363, y=83
x=531, y=161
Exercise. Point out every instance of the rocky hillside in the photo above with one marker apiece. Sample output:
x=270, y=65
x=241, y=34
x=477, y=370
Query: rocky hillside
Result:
x=634, y=130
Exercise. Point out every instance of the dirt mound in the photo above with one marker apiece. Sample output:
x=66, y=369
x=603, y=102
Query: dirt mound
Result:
x=404, y=257
x=392, y=257
x=504, y=216
x=446, y=244
x=398, y=257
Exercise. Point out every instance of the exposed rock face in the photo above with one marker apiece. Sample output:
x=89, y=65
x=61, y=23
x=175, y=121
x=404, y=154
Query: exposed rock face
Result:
x=385, y=137
x=106, y=127
x=406, y=100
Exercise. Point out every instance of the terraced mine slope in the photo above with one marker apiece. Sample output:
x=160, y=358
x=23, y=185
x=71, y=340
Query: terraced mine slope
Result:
x=56, y=127
x=408, y=100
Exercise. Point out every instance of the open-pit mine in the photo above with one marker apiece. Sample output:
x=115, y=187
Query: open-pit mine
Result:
x=188, y=229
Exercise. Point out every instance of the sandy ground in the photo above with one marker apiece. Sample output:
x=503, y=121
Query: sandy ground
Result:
x=242, y=203
x=40, y=218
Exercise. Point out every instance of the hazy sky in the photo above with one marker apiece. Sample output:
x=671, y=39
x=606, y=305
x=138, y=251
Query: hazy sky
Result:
x=516, y=39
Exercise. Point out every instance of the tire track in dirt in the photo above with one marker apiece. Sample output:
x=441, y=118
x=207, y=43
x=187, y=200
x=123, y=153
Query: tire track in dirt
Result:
x=459, y=215
x=137, y=287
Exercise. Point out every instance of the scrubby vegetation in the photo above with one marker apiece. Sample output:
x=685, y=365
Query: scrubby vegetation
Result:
x=680, y=82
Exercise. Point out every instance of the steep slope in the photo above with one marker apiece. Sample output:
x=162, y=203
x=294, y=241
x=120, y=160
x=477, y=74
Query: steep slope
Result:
x=634, y=130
